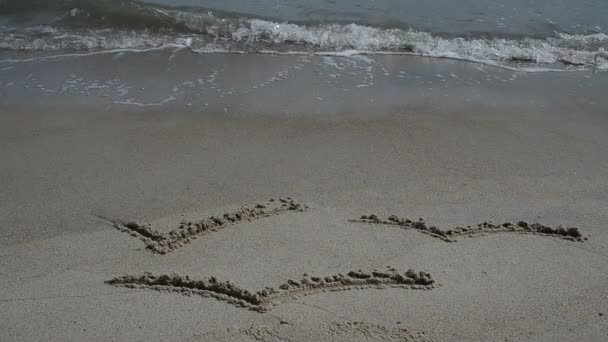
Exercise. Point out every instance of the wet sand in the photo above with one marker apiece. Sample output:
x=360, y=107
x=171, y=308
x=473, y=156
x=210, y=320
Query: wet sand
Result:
x=75, y=169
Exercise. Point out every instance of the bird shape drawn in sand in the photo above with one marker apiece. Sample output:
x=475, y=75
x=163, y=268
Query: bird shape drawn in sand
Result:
x=264, y=300
x=187, y=230
x=521, y=227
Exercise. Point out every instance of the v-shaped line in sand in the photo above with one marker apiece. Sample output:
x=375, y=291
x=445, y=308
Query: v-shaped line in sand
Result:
x=450, y=235
x=264, y=300
x=163, y=243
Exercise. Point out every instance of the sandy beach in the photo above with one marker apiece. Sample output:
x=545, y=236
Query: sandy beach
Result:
x=75, y=168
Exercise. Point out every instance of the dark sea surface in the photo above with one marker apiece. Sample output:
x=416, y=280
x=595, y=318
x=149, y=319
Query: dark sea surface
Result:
x=465, y=17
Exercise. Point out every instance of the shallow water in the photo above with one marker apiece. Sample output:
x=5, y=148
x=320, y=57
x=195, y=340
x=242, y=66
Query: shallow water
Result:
x=318, y=86
x=347, y=57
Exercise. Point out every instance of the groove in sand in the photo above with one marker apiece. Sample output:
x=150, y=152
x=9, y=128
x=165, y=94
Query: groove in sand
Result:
x=187, y=230
x=521, y=227
x=264, y=300
x=336, y=331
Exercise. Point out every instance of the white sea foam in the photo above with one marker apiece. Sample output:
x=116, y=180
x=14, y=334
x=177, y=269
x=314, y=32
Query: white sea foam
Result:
x=134, y=102
x=218, y=35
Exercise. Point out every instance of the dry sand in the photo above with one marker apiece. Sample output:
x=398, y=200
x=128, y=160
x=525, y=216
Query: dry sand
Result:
x=64, y=171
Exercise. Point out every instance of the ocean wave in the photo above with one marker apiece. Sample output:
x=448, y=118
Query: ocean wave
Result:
x=206, y=32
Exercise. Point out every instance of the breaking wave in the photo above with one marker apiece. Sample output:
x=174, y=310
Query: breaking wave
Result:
x=92, y=26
